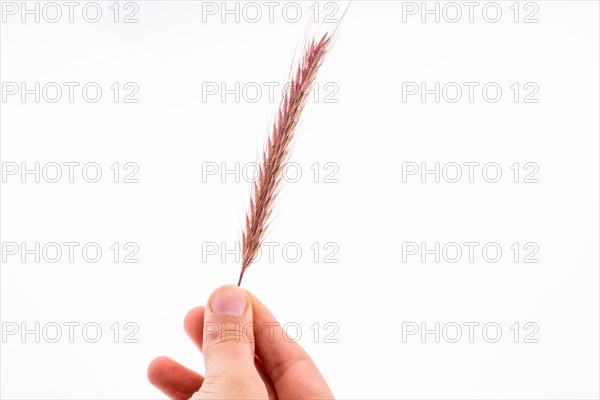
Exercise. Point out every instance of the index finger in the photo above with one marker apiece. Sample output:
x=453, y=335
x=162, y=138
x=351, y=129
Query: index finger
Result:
x=292, y=371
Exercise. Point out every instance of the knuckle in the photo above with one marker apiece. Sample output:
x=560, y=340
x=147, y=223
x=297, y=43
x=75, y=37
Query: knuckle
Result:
x=217, y=333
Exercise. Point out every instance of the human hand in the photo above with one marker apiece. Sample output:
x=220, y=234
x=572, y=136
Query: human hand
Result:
x=247, y=355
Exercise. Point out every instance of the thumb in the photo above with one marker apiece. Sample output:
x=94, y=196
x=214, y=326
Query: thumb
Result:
x=228, y=343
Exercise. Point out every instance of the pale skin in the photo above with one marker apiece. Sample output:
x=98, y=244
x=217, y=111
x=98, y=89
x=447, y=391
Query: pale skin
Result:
x=242, y=361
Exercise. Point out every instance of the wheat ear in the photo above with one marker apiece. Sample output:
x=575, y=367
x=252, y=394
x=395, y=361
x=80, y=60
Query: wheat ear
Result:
x=276, y=152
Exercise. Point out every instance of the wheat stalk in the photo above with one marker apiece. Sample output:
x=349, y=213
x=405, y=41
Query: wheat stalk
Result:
x=276, y=152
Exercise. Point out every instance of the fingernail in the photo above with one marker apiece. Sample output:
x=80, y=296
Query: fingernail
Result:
x=228, y=300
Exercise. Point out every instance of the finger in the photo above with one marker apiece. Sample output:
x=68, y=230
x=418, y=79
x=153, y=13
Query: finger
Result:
x=194, y=325
x=272, y=393
x=173, y=379
x=290, y=368
x=228, y=345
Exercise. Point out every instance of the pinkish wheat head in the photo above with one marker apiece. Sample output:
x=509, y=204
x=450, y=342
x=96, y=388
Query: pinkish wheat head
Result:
x=277, y=149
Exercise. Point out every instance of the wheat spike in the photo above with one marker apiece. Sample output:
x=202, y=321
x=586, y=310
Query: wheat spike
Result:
x=276, y=152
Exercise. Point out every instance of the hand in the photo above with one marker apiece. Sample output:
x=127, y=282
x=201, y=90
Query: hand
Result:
x=246, y=353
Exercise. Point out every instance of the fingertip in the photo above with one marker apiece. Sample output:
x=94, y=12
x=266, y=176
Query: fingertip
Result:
x=155, y=369
x=193, y=318
x=173, y=379
x=193, y=324
x=229, y=300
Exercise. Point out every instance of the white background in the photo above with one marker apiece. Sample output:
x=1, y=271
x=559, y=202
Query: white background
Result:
x=371, y=295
